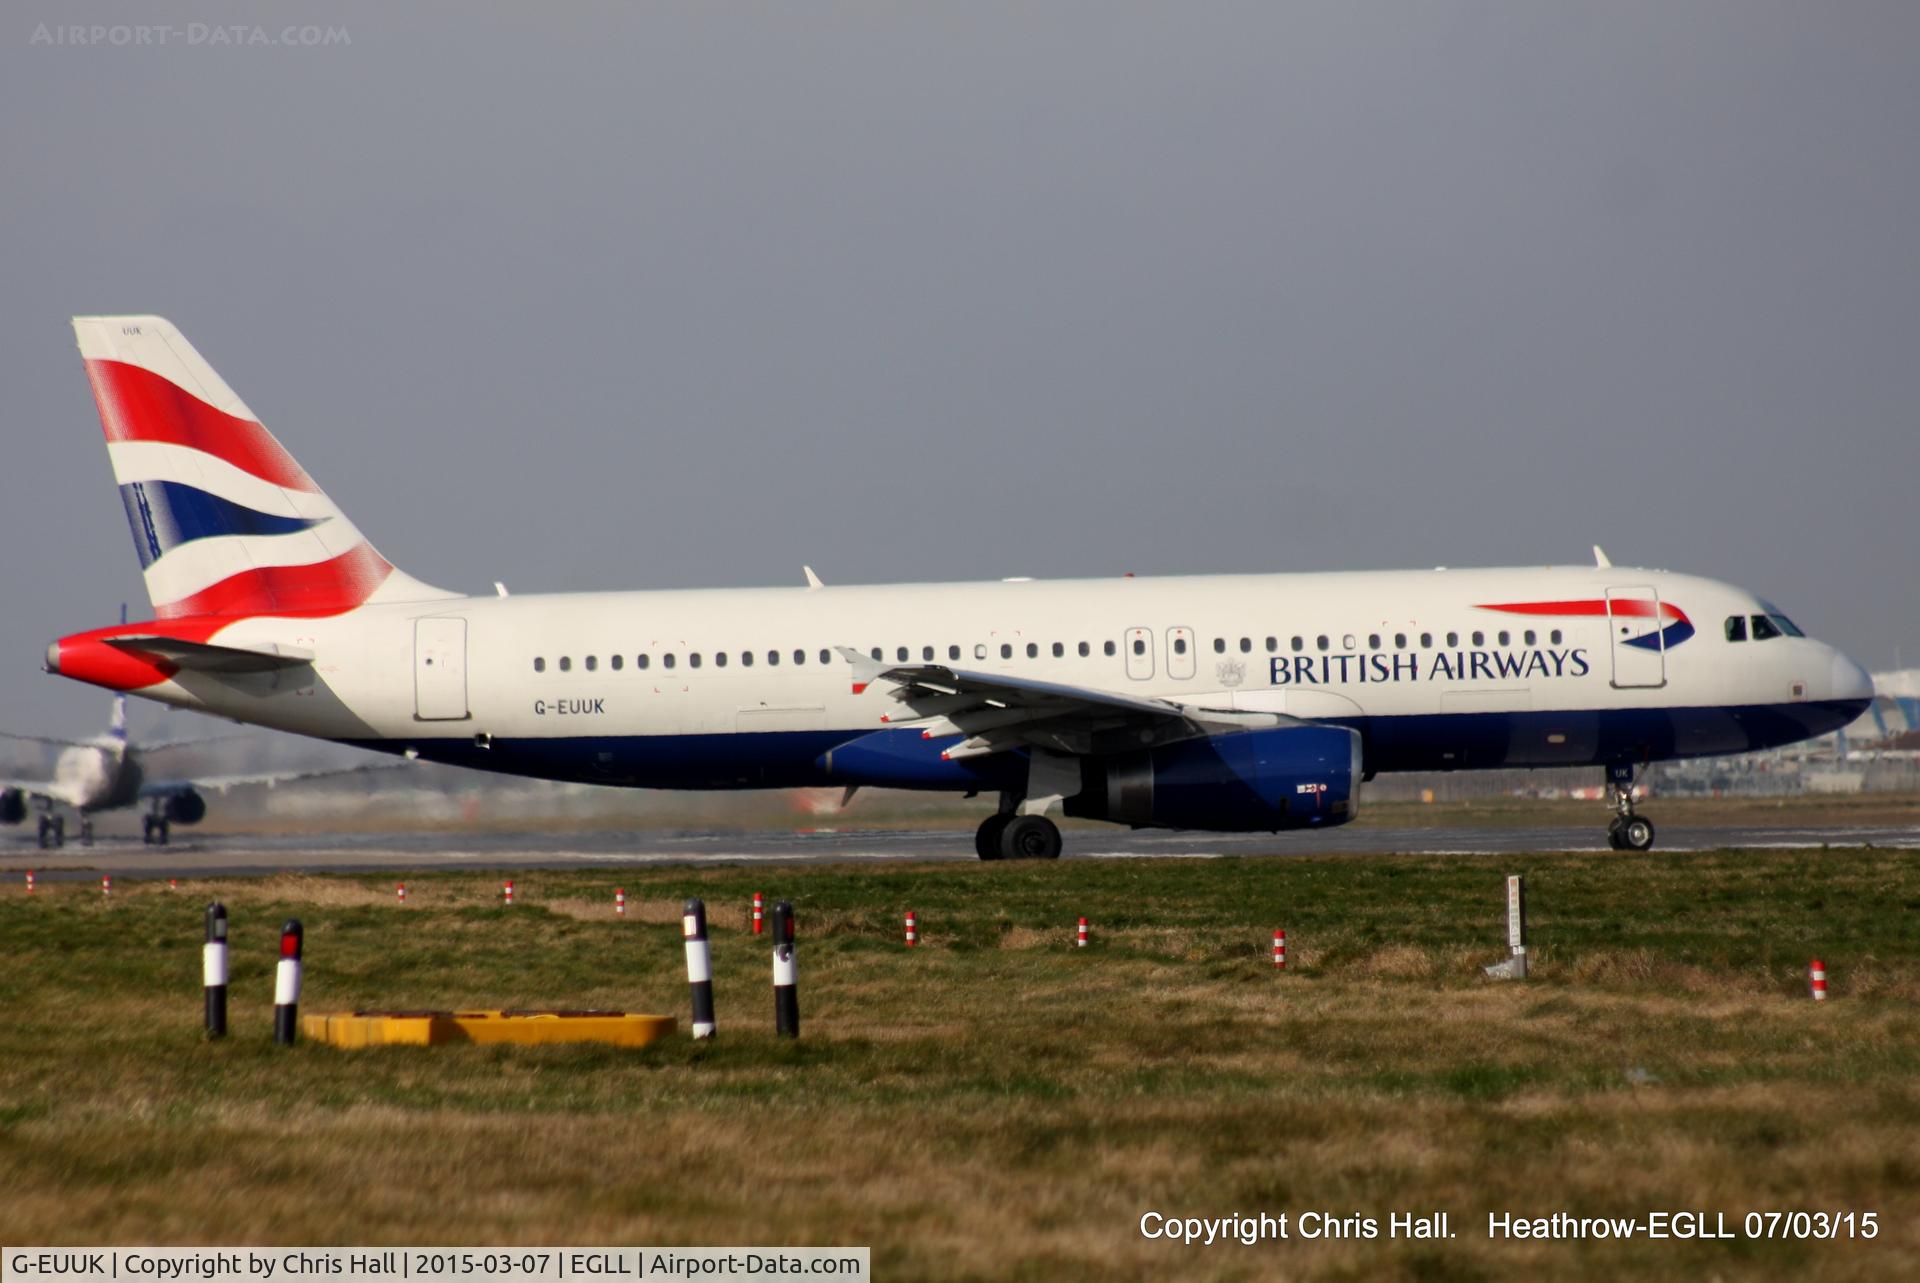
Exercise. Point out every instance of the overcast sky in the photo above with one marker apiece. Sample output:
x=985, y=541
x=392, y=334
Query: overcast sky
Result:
x=657, y=295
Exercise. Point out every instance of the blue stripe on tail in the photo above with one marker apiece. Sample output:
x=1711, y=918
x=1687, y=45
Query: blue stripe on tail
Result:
x=166, y=514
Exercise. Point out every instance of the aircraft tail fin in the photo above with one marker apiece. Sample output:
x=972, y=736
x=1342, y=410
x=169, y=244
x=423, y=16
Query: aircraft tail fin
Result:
x=224, y=520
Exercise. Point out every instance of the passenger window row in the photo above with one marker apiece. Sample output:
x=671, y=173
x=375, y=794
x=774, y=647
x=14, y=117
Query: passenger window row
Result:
x=1058, y=650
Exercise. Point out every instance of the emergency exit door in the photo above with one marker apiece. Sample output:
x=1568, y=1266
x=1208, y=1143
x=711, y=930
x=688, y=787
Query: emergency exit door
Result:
x=1139, y=644
x=439, y=670
x=1639, y=645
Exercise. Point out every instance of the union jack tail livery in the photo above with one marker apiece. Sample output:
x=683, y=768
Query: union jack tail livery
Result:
x=225, y=522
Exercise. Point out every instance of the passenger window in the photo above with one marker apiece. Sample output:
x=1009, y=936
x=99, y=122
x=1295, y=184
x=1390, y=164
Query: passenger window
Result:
x=641, y=661
x=1139, y=646
x=666, y=660
x=1006, y=650
x=901, y=655
x=592, y=663
x=1399, y=641
x=1299, y=643
x=1530, y=636
x=1179, y=645
x=746, y=659
x=1347, y=642
x=1479, y=638
x=1273, y=644
x=1763, y=629
x=826, y=656
x=617, y=662
x=1246, y=645
x=800, y=656
x=1108, y=648
x=1453, y=639
x=980, y=650
x=1556, y=636
x=1321, y=641
x=773, y=659
x=1426, y=641
x=875, y=652
x=1373, y=641
x=566, y=664
x=1033, y=650
x=539, y=664
x=1219, y=645
x=720, y=659
x=953, y=652
x=1084, y=651
x=693, y=660
x=1058, y=650
x=1506, y=638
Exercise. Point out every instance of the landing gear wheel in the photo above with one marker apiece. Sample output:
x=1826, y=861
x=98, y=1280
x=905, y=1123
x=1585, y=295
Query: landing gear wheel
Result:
x=161, y=831
x=1030, y=837
x=46, y=832
x=59, y=830
x=986, y=839
x=86, y=831
x=1636, y=833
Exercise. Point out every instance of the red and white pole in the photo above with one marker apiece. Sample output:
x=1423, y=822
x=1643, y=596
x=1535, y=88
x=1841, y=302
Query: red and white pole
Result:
x=106, y=884
x=913, y=934
x=506, y=892
x=759, y=914
x=173, y=884
x=1817, y=975
x=1280, y=950
x=1081, y=943
x=286, y=985
x=29, y=881
x=400, y=892
x=620, y=902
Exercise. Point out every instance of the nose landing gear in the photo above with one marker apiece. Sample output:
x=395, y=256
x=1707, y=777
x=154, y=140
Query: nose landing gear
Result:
x=1627, y=831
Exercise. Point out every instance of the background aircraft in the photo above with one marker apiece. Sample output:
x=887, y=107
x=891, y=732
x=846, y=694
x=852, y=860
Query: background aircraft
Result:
x=110, y=773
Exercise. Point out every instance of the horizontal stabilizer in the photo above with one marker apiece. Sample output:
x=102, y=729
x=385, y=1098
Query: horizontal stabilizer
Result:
x=202, y=657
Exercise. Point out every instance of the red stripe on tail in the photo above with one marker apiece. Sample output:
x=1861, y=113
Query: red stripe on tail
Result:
x=324, y=588
x=138, y=405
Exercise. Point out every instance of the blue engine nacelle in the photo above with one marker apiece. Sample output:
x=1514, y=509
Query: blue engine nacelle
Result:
x=186, y=807
x=1292, y=777
x=13, y=806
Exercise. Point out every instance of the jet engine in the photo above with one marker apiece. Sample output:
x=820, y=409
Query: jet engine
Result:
x=186, y=807
x=1290, y=777
x=13, y=806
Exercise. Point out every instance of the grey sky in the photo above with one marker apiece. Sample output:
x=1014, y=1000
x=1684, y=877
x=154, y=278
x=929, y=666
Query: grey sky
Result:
x=663, y=295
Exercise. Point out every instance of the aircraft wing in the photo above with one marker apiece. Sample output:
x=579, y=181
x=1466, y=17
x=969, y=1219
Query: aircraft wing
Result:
x=38, y=791
x=221, y=783
x=48, y=740
x=997, y=712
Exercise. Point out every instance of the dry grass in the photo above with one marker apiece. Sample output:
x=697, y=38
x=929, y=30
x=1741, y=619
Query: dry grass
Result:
x=998, y=1103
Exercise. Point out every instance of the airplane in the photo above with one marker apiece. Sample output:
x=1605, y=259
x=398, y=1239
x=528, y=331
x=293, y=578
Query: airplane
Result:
x=108, y=773
x=1253, y=702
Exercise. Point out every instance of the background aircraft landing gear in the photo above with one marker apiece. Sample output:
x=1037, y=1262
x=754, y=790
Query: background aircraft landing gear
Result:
x=154, y=830
x=86, y=830
x=53, y=831
x=1627, y=831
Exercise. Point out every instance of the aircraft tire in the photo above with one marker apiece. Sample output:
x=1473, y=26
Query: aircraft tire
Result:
x=1030, y=837
x=986, y=839
x=1636, y=833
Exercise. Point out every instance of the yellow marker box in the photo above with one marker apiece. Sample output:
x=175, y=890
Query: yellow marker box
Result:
x=357, y=1029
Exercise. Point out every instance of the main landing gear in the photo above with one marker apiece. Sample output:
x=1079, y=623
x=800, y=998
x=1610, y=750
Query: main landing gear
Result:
x=1626, y=831
x=1011, y=836
x=53, y=831
x=154, y=830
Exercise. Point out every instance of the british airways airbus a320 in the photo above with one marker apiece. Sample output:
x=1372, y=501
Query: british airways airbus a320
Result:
x=1229, y=702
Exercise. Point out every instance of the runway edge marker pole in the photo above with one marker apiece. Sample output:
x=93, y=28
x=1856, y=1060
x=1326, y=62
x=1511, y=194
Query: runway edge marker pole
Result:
x=1080, y=942
x=1515, y=967
x=286, y=985
x=913, y=929
x=400, y=892
x=1817, y=980
x=620, y=902
x=213, y=970
x=786, y=974
x=29, y=881
x=1279, y=950
x=758, y=915
x=693, y=925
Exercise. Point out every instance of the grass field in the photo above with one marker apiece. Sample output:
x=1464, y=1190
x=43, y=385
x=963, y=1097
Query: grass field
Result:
x=997, y=1103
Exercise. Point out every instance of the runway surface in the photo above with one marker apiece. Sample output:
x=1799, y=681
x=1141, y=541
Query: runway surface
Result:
x=241, y=855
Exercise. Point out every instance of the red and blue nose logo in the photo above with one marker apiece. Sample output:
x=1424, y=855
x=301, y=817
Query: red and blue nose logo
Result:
x=1675, y=627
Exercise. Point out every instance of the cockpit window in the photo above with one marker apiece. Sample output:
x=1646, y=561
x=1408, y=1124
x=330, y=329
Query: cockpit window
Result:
x=1786, y=625
x=1736, y=628
x=1763, y=629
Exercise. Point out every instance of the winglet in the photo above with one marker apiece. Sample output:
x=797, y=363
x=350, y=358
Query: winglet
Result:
x=1600, y=561
x=813, y=580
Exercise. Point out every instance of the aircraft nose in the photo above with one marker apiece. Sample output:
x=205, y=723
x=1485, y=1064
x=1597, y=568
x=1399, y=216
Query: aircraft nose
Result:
x=1850, y=681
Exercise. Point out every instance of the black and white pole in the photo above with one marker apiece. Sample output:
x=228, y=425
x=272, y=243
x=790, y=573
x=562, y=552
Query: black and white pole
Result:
x=693, y=925
x=1515, y=967
x=786, y=975
x=286, y=985
x=213, y=970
